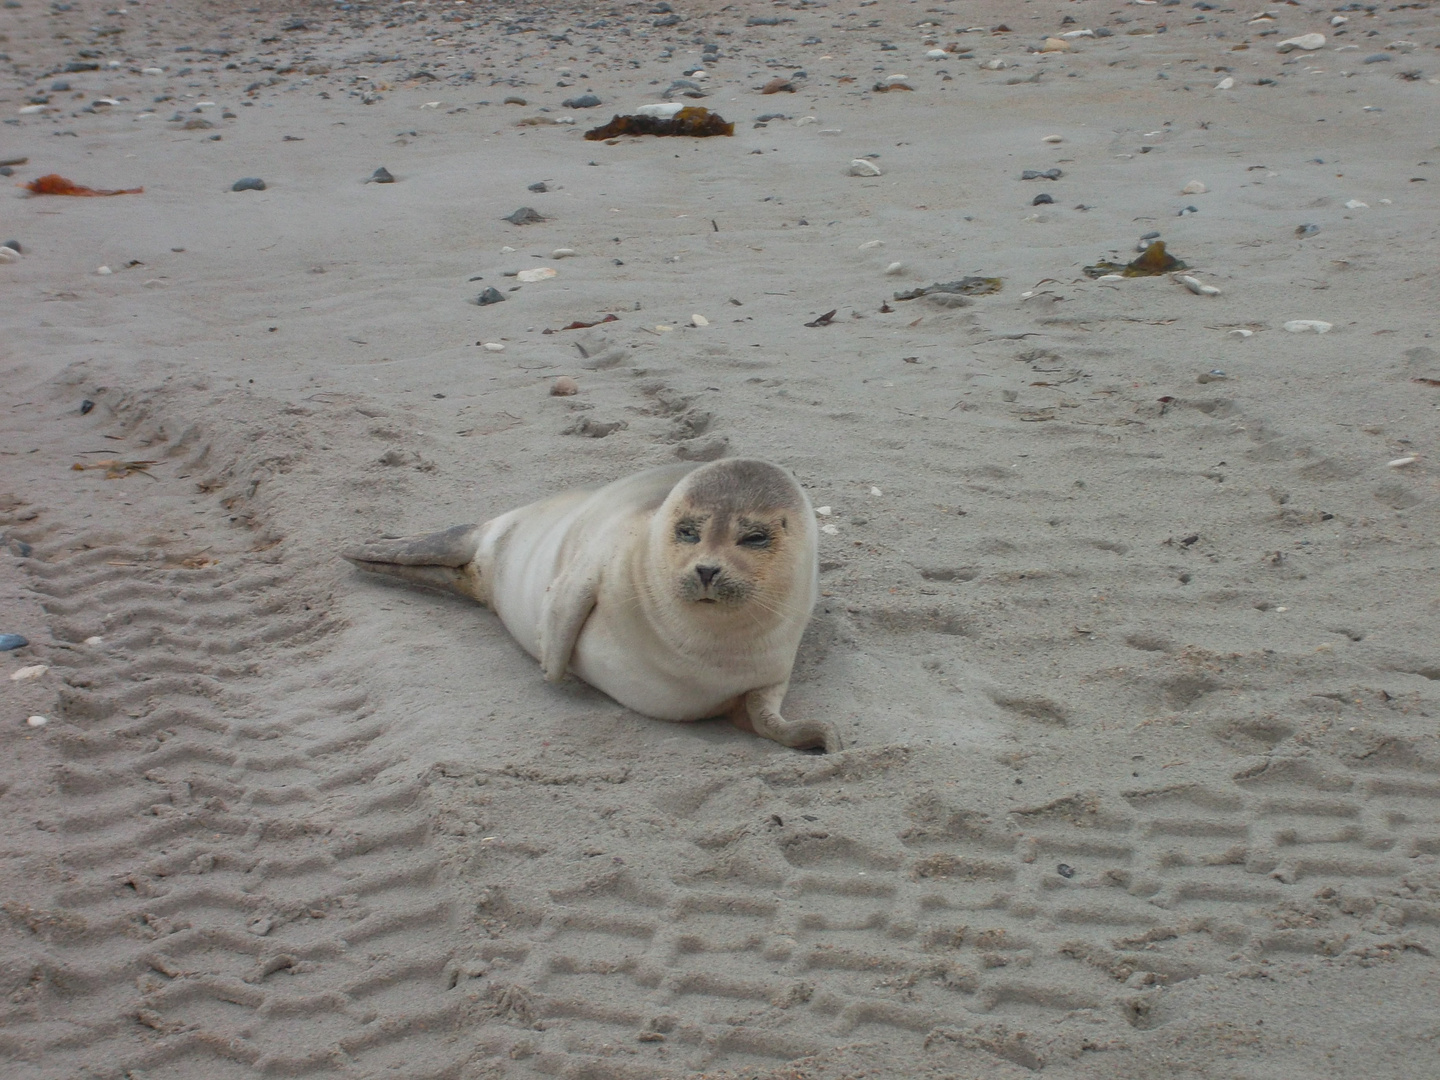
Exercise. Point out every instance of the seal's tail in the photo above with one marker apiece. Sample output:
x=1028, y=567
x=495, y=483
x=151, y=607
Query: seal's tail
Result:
x=442, y=560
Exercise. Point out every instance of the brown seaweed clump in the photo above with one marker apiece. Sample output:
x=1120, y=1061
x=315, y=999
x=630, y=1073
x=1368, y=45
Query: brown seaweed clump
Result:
x=691, y=120
x=1153, y=262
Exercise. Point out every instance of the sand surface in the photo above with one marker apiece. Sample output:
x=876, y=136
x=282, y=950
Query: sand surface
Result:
x=1138, y=666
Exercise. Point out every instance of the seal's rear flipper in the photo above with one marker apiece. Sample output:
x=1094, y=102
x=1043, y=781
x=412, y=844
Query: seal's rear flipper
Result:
x=443, y=560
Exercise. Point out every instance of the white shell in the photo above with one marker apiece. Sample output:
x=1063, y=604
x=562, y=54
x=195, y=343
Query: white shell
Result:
x=1301, y=326
x=862, y=167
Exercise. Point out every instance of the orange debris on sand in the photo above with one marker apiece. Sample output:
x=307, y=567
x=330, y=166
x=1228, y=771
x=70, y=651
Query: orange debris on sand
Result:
x=55, y=184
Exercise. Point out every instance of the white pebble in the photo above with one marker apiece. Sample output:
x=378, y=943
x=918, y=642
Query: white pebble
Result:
x=823, y=511
x=805, y=120
x=34, y=671
x=894, y=79
x=37, y=721
x=830, y=530
x=699, y=320
x=9, y=255
x=1242, y=333
x=870, y=244
x=665, y=110
x=1227, y=83
x=31, y=110
x=937, y=54
x=103, y=270
x=1194, y=187
x=562, y=253
x=995, y=65
x=1356, y=204
x=1197, y=288
x=152, y=71
x=876, y=491
x=494, y=346
x=506, y=250
x=699, y=74
x=1339, y=20
x=1308, y=42
x=541, y=273
x=1401, y=462
x=1052, y=139
x=1300, y=326
x=95, y=640
x=831, y=131
x=1111, y=277
x=1071, y=35
x=895, y=268
x=862, y=167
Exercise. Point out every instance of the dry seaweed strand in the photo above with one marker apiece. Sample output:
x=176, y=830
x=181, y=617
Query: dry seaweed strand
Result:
x=115, y=468
x=691, y=120
x=1153, y=262
x=55, y=184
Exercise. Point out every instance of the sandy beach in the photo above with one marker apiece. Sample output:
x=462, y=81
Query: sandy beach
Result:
x=1129, y=615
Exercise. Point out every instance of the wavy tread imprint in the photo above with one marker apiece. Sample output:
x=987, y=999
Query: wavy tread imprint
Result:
x=201, y=877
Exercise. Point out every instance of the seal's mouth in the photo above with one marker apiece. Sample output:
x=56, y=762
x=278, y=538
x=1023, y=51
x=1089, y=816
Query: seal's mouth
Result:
x=707, y=600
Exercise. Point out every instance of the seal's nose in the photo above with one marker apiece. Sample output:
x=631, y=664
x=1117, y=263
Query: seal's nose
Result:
x=707, y=574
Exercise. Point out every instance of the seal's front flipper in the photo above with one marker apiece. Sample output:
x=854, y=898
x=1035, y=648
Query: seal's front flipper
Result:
x=442, y=560
x=568, y=603
x=759, y=711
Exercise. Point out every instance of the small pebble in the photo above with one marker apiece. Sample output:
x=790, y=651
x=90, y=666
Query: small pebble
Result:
x=870, y=245
x=1038, y=174
x=1197, y=288
x=1242, y=333
x=584, y=101
x=1227, y=83
x=1065, y=870
x=823, y=511
x=37, y=721
x=1401, y=462
x=491, y=295
x=494, y=346
x=1194, y=187
x=564, y=386
x=562, y=253
x=381, y=176
x=1378, y=58
x=861, y=167
x=103, y=270
x=32, y=110
x=937, y=54
x=1308, y=42
x=1356, y=204
x=95, y=639
x=1301, y=326
x=699, y=320
x=1306, y=230
x=539, y=188
x=1051, y=44
x=1188, y=210
x=995, y=65
x=1042, y=200
x=895, y=268
x=540, y=273
x=507, y=250
x=9, y=255
x=33, y=671
x=524, y=216
x=830, y=530
x=1052, y=139
x=248, y=183
x=9, y=642
x=875, y=491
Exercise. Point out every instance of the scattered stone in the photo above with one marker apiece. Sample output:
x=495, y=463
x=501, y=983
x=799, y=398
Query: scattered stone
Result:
x=1303, y=231
x=1378, y=58
x=513, y=100
x=584, y=101
x=1356, y=204
x=1037, y=174
x=895, y=268
x=248, y=183
x=711, y=449
x=1307, y=42
x=10, y=642
x=563, y=253
x=594, y=429
x=871, y=245
x=381, y=176
x=36, y=721
x=491, y=295
x=777, y=85
x=1401, y=462
x=33, y=671
x=1227, y=83
x=539, y=188
x=1052, y=139
x=1303, y=326
x=1053, y=45
x=564, y=386
x=104, y=271
x=862, y=167
x=540, y=273
x=525, y=216
x=1194, y=187
x=494, y=346
x=8, y=254
x=1197, y=288
x=1042, y=200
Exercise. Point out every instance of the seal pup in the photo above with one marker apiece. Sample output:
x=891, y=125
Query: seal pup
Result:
x=681, y=591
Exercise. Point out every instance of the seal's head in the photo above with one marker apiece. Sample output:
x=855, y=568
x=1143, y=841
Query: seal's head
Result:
x=735, y=535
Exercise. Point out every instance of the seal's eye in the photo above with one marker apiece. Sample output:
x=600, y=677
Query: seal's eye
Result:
x=686, y=533
x=755, y=539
